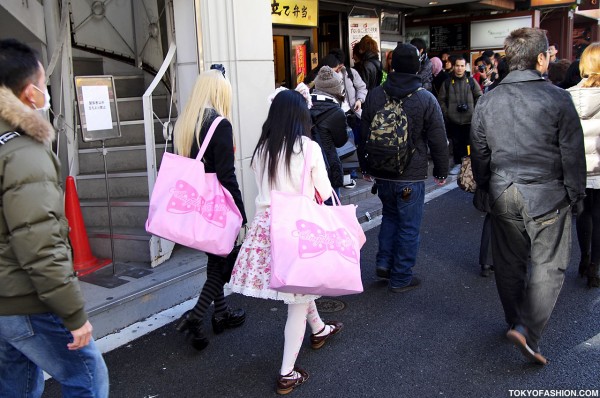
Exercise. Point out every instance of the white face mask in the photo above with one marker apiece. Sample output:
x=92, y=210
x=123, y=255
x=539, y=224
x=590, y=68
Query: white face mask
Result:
x=46, y=105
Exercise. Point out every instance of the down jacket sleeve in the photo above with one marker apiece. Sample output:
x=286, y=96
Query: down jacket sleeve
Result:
x=38, y=230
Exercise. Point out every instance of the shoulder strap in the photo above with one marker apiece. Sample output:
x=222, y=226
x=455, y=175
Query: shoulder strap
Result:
x=307, y=164
x=9, y=135
x=209, y=135
x=471, y=82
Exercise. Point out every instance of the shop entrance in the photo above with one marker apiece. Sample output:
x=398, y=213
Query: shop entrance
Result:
x=291, y=52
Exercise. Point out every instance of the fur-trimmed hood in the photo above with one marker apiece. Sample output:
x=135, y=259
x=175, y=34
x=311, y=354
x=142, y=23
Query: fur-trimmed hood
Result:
x=24, y=119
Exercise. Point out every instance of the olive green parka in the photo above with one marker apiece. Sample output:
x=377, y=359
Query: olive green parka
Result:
x=36, y=270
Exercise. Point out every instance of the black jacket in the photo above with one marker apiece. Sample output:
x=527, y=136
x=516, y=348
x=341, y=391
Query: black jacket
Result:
x=426, y=74
x=219, y=158
x=330, y=127
x=370, y=70
x=425, y=124
x=527, y=132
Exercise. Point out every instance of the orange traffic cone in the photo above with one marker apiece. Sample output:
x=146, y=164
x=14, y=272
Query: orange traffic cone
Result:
x=84, y=261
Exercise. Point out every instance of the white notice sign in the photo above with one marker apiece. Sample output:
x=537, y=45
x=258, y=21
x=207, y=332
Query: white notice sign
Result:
x=359, y=27
x=96, y=106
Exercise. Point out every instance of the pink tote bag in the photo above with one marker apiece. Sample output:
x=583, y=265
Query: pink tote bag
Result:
x=190, y=207
x=315, y=248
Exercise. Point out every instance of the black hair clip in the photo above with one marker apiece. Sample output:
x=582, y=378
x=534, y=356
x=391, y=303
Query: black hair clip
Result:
x=218, y=67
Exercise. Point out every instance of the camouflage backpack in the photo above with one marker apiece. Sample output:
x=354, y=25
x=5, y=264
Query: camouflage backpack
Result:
x=388, y=149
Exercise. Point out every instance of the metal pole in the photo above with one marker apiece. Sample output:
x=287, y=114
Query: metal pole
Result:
x=110, y=226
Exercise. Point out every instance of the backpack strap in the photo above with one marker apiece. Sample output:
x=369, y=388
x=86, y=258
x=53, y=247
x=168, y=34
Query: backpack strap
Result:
x=7, y=136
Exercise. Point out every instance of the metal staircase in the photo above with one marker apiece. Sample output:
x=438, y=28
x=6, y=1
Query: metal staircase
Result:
x=128, y=176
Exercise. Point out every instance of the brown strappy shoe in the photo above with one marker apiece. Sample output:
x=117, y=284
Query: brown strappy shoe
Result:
x=317, y=342
x=286, y=383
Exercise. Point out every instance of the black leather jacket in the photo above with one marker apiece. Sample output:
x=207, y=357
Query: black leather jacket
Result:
x=425, y=125
x=527, y=132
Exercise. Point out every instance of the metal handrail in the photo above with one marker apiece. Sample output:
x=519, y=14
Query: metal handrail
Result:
x=151, y=164
x=160, y=249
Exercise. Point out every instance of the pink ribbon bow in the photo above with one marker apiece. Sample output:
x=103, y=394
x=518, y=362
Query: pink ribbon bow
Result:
x=315, y=241
x=185, y=199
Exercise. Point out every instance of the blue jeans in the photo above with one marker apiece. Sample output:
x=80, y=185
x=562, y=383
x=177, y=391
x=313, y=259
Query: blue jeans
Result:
x=528, y=298
x=32, y=343
x=399, y=235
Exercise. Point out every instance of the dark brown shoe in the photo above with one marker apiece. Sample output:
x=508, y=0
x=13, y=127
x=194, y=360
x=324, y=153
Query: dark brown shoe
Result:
x=317, y=342
x=286, y=383
x=520, y=341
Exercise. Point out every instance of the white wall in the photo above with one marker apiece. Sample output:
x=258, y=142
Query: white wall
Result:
x=237, y=34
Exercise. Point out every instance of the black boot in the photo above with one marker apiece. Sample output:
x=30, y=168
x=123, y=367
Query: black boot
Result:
x=584, y=265
x=593, y=275
x=194, y=328
x=228, y=319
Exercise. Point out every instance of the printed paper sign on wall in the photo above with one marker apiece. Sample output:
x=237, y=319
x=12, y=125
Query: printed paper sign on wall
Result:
x=359, y=27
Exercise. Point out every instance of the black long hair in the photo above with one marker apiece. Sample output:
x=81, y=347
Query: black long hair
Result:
x=288, y=120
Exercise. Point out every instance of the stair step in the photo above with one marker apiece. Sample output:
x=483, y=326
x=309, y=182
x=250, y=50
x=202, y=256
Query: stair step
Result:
x=361, y=191
x=130, y=86
x=132, y=133
x=131, y=244
x=126, y=212
x=88, y=66
x=122, y=216
x=123, y=158
x=133, y=183
x=115, y=202
x=132, y=108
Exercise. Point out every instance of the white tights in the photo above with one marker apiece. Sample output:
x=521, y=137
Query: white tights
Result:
x=295, y=327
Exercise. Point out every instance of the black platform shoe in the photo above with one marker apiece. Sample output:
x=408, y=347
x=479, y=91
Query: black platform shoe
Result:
x=228, y=319
x=193, y=328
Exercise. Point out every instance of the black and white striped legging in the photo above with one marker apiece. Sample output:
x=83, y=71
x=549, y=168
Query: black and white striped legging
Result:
x=212, y=289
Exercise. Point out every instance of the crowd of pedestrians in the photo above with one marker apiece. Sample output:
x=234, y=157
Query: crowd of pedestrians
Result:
x=529, y=159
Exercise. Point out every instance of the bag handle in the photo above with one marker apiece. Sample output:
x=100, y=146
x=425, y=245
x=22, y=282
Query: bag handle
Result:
x=307, y=162
x=209, y=135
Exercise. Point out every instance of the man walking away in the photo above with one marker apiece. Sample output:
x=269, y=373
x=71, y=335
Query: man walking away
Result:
x=457, y=98
x=43, y=325
x=534, y=169
x=401, y=112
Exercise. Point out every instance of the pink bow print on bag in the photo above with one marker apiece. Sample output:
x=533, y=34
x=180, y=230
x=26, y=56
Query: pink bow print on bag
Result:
x=315, y=241
x=185, y=199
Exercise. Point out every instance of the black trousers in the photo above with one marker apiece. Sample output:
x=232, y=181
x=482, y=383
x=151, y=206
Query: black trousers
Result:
x=461, y=137
x=588, y=226
x=485, y=248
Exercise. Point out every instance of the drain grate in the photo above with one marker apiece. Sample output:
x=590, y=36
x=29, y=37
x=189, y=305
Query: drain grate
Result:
x=329, y=305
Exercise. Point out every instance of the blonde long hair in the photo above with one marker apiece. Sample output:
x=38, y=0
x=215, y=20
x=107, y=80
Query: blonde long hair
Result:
x=211, y=90
x=589, y=65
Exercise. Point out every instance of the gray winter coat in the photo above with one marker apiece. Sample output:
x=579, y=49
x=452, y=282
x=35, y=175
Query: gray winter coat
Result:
x=527, y=132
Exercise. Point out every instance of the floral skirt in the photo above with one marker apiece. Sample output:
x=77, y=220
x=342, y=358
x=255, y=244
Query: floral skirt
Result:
x=252, y=269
